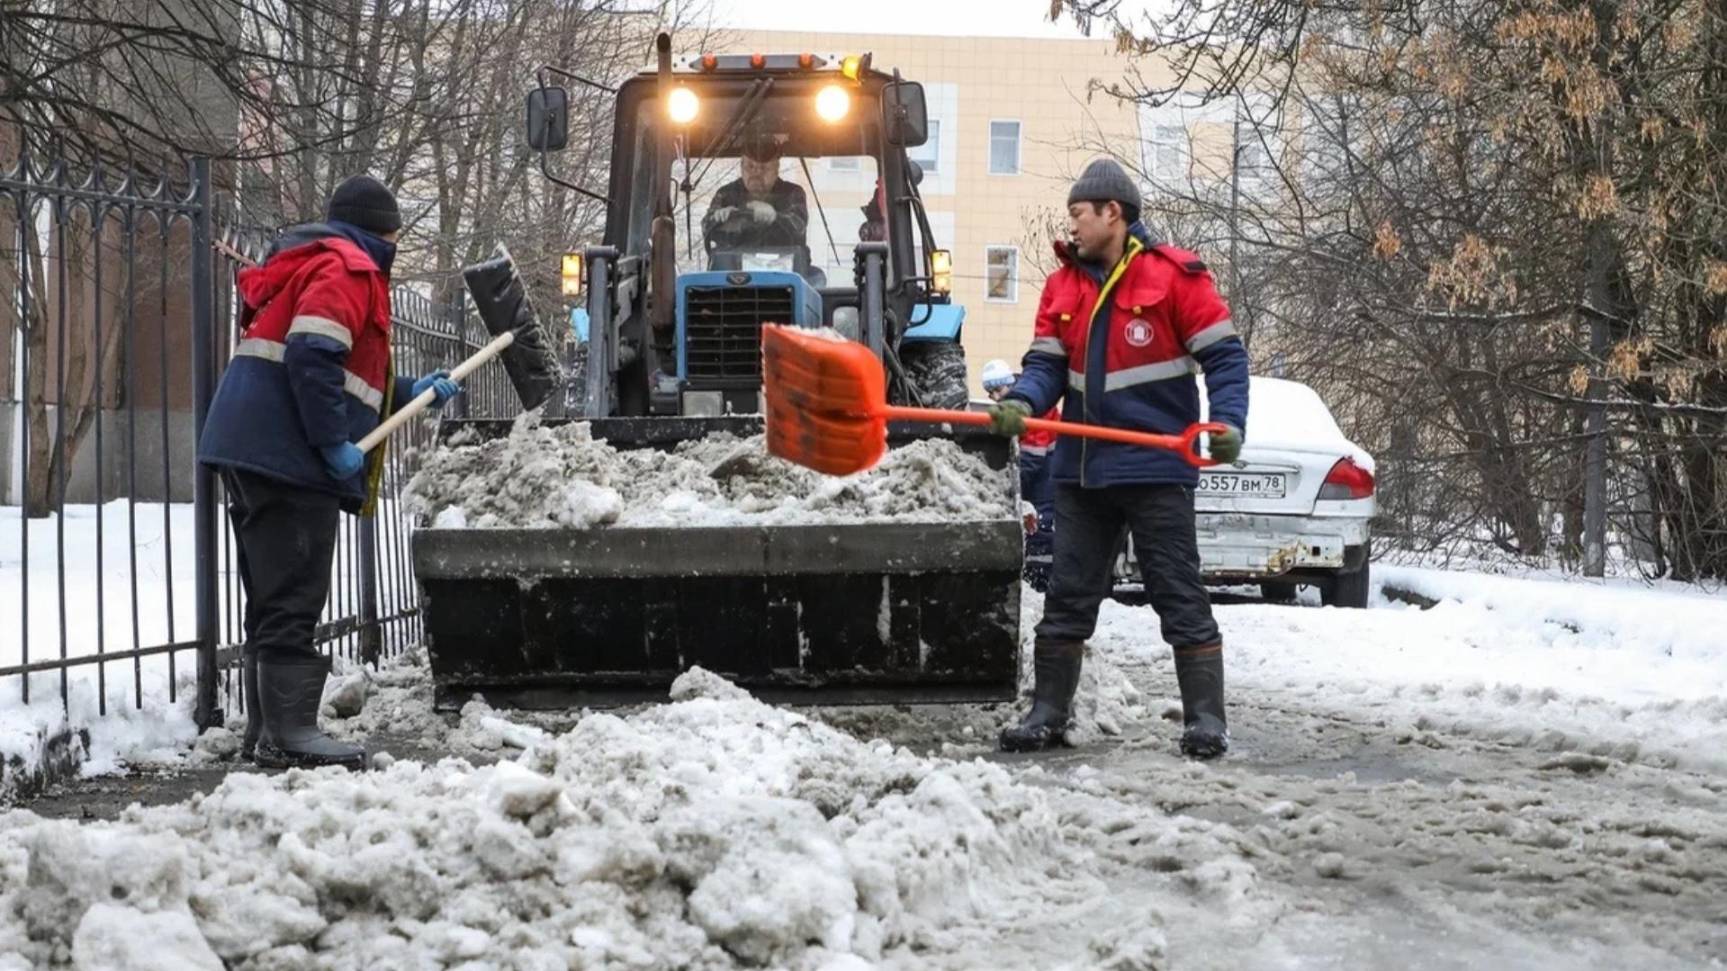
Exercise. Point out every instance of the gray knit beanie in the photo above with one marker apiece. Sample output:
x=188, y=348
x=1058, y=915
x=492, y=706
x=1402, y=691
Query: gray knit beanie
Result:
x=1104, y=180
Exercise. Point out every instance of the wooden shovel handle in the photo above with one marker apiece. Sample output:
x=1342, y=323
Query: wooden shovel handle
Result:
x=407, y=412
x=1180, y=444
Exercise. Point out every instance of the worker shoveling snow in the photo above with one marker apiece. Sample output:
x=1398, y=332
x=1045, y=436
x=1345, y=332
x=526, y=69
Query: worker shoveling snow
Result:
x=544, y=476
x=716, y=832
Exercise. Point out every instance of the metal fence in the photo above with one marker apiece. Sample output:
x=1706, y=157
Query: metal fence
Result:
x=117, y=316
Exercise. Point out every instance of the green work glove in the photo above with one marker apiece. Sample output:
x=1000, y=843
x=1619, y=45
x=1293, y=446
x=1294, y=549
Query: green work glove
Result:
x=1008, y=417
x=1226, y=444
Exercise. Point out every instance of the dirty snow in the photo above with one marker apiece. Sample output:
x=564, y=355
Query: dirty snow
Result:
x=542, y=476
x=1403, y=792
x=715, y=832
x=1526, y=775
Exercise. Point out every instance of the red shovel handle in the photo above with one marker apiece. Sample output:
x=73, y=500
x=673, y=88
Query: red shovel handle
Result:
x=1182, y=444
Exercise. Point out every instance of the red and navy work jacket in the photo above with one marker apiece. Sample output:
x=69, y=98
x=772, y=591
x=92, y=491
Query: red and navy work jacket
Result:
x=1040, y=443
x=311, y=367
x=1121, y=348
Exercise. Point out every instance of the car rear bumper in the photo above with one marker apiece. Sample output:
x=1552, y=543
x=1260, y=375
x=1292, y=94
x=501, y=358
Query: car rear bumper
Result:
x=1245, y=546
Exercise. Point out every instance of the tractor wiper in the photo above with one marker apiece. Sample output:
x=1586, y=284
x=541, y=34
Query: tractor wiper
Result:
x=754, y=98
x=819, y=210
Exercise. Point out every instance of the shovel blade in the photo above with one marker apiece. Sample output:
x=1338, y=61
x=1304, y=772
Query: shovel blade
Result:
x=824, y=401
x=502, y=303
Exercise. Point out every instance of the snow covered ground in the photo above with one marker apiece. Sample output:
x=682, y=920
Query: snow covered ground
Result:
x=98, y=609
x=97, y=605
x=1527, y=775
x=1637, y=674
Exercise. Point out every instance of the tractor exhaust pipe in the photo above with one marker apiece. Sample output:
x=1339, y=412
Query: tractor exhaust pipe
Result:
x=663, y=238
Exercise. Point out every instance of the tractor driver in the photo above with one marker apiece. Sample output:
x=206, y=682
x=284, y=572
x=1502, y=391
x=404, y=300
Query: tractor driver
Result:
x=760, y=208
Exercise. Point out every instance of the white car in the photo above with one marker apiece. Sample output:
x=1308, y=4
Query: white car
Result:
x=1292, y=511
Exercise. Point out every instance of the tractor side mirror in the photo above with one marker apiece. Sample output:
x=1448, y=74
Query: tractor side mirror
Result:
x=548, y=119
x=904, y=114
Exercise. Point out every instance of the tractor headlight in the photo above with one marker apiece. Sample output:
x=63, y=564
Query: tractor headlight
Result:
x=683, y=105
x=832, y=103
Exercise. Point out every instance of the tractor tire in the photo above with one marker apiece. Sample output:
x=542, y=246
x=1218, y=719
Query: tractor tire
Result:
x=937, y=370
x=1350, y=587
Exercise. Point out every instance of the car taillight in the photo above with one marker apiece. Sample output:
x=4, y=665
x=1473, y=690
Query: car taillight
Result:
x=1346, y=480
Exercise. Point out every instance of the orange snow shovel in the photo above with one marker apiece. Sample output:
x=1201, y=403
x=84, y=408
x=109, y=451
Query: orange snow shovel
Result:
x=827, y=410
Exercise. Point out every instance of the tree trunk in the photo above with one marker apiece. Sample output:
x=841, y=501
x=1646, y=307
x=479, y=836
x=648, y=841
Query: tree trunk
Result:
x=1571, y=498
x=1700, y=537
x=69, y=368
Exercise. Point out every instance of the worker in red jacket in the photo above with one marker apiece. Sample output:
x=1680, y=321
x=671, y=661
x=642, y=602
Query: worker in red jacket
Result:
x=1122, y=327
x=310, y=377
x=1035, y=485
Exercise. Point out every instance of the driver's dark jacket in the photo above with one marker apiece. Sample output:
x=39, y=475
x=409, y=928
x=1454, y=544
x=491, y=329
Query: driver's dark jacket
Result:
x=740, y=229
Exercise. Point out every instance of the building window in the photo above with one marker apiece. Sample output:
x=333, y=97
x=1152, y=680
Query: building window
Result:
x=928, y=154
x=1250, y=162
x=1001, y=274
x=1004, y=148
x=1167, y=152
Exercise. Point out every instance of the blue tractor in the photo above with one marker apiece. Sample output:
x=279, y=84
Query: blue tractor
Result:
x=745, y=189
x=674, y=323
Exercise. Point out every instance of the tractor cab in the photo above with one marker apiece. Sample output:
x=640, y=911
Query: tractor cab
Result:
x=747, y=189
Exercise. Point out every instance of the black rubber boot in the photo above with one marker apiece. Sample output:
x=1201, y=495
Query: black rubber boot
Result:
x=1056, y=667
x=254, y=717
x=1205, y=731
x=289, y=694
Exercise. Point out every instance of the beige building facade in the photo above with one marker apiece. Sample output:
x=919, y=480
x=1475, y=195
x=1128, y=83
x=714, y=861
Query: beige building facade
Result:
x=1012, y=124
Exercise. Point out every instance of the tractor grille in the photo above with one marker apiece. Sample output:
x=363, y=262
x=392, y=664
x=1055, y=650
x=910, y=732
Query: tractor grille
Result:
x=723, y=332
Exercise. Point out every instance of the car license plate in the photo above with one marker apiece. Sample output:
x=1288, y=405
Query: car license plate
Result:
x=1259, y=485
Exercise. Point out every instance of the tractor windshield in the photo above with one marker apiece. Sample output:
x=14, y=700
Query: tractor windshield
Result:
x=768, y=185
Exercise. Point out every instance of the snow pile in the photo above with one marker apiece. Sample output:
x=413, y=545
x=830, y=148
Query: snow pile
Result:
x=1669, y=622
x=103, y=743
x=561, y=477
x=715, y=832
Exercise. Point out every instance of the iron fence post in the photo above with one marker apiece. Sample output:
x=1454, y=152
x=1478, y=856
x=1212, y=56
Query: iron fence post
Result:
x=205, y=713
x=458, y=323
x=371, y=633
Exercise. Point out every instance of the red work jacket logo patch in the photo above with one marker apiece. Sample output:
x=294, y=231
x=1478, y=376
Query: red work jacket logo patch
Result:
x=1138, y=333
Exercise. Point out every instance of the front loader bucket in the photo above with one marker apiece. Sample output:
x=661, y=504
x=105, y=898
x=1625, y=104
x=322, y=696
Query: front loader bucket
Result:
x=845, y=613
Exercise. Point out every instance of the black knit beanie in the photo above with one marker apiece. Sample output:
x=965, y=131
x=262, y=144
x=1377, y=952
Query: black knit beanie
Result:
x=365, y=202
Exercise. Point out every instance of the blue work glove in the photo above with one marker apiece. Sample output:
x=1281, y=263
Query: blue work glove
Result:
x=1226, y=445
x=1008, y=417
x=343, y=460
x=442, y=385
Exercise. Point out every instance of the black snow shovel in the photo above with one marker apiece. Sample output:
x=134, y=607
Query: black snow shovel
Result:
x=502, y=303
